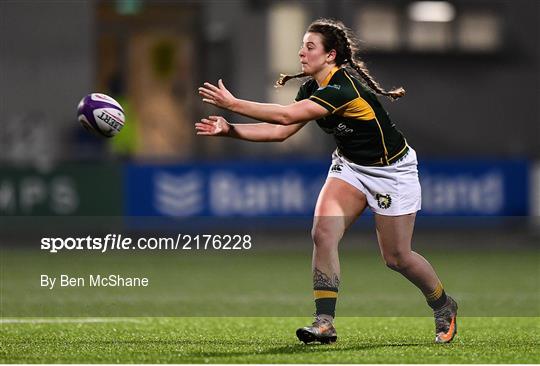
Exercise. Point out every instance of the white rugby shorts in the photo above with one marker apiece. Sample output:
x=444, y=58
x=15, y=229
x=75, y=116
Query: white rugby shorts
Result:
x=391, y=190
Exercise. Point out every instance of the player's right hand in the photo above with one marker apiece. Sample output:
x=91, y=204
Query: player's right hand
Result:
x=213, y=126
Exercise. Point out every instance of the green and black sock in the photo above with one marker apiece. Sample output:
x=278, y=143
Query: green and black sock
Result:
x=325, y=300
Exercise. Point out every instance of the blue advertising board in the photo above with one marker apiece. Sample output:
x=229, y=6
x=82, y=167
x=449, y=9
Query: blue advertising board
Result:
x=245, y=188
x=290, y=188
x=475, y=187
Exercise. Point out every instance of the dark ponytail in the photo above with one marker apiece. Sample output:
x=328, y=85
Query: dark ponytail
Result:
x=335, y=36
x=361, y=69
x=284, y=78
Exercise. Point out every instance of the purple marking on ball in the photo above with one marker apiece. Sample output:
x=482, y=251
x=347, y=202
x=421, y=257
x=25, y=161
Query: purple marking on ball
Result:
x=88, y=105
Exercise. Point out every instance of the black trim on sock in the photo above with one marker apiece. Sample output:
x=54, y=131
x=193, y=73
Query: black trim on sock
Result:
x=326, y=306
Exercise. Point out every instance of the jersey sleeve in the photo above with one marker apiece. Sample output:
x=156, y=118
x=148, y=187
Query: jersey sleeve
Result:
x=333, y=97
x=302, y=93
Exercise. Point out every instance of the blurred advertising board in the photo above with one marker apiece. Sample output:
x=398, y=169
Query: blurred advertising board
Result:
x=66, y=190
x=535, y=197
x=290, y=188
x=253, y=188
x=475, y=187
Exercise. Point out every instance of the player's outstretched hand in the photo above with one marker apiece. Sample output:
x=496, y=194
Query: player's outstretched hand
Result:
x=213, y=126
x=217, y=95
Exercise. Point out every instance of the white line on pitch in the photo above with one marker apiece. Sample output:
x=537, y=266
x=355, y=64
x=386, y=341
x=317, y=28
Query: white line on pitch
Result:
x=68, y=320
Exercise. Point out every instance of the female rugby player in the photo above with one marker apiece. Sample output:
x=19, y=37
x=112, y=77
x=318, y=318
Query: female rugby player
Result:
x=372, y=166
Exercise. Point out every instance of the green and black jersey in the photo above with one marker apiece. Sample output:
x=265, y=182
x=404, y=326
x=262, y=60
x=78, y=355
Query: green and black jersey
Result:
x=361, y=127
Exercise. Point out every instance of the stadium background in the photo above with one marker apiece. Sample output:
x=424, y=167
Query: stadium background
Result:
x=472, y=82
x=471, y=71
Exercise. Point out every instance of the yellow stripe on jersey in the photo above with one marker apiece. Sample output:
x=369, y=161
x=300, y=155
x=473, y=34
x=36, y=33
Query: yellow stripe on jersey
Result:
x=400, y=151
x=352, y=83
x=324, y=101
x=383, y=144
x=323, y=294
x=357, y=108
x=376, y=120
x=329, y=76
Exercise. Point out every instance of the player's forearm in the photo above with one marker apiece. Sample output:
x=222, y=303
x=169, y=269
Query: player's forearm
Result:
x=257, y=132
x=275, y=114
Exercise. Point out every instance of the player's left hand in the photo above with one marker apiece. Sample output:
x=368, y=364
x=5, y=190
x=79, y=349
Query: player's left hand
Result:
x=213, y=126
x=217, y=95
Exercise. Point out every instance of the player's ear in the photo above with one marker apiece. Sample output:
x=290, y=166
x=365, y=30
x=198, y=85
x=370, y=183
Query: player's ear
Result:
x=331, y=56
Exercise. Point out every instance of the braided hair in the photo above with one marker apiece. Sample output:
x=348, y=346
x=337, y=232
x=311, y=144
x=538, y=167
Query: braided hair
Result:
x=335, y=36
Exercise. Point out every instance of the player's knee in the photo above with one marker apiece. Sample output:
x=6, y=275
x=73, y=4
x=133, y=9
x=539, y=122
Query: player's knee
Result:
x=394, y=265
x=325, y=236
x=397, y=261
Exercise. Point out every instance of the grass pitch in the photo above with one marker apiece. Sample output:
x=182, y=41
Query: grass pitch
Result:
x=263, y=340
x=188, y=314
x=264, y=284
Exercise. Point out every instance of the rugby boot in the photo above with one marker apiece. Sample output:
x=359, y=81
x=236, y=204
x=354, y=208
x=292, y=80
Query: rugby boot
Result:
x=445, y=321
x=322, y=330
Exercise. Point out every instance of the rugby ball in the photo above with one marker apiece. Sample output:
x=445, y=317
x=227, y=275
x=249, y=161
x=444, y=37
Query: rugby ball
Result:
x=101, y=114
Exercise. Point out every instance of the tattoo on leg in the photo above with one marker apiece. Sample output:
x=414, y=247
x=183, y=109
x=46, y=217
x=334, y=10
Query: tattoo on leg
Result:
x=321, y=279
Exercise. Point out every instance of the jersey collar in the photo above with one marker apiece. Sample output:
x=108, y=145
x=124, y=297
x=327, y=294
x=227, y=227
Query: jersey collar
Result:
x=329, y=76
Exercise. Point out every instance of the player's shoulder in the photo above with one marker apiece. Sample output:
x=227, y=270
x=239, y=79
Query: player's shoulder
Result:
x=343, y=83
x=306, y=89
x=308, y=84
x=346, y=79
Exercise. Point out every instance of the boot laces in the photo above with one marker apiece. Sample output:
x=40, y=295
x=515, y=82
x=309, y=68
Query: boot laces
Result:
x=320, y=321
x=443, y=317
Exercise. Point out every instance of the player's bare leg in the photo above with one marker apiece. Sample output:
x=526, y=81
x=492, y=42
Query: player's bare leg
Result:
x=339, y=204
x=394, y=234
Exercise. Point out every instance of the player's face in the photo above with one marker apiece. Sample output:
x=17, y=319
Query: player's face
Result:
x=313, y=57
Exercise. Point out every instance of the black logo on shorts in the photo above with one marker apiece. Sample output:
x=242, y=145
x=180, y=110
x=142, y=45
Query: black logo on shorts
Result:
x=336, y=168
x=383, y=200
